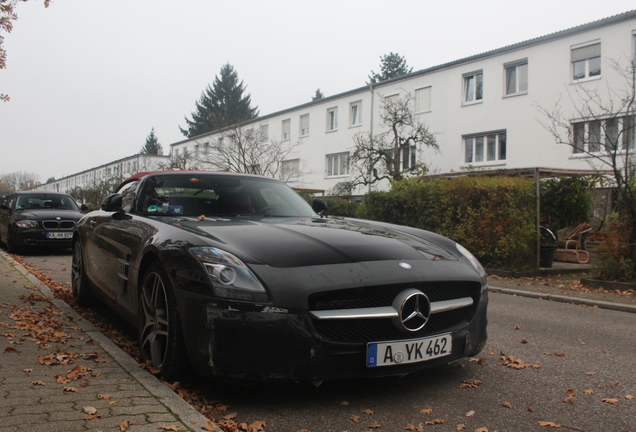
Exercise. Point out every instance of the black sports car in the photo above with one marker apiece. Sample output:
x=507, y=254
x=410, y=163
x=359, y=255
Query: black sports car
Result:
x=237, y=276
x=31, y=219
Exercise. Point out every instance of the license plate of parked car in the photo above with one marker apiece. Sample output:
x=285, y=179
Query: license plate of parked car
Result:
x=59, y=235
x=408, y=351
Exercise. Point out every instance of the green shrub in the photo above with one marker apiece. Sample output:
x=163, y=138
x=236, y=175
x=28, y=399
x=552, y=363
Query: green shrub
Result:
x=566, y=200
x=494, y=217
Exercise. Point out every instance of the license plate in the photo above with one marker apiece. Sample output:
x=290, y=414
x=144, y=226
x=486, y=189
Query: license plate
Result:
x=59, y=235
x=408, y=351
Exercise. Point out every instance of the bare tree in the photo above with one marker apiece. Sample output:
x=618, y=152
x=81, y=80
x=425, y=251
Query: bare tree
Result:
x=601, y=126
x=20, y=180
x=185, y=160
x=248, y=151
x=395, y=152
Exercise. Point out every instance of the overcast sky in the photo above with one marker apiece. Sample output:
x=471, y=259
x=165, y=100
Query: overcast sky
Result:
x=88, y=79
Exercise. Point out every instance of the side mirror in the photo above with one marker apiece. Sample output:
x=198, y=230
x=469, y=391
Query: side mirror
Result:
x=84, y=207
x=319, y=206
x=112, y=203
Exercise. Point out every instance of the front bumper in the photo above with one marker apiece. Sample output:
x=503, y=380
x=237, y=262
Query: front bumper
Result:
x=26, y=238
x=265, y=345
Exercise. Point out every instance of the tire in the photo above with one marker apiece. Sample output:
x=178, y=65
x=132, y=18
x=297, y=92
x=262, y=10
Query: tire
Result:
x=80, y=285
x=12, y=248
x=160, y=333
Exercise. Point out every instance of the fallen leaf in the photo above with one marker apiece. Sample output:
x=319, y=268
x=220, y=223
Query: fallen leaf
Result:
x=230, y=416
x=93, y=417
x=375, y=425
x=484, y=429
x=368, y=411
x=426, y=411
x=103, y=396
x=530, y=409
x=38, y=383
x=460, y=427
x=471, y=383
x=470, y=413
x=344, y=403
x=516, y=327
x=560, y=354
x=569, y=400
x=418, y=428
x=607, y=352
x=524, y=341
x=612, y=401
x=90, y=410
x=434, y=422
x=630, y=397
x=170, y=428
x=27, y=370
x=209, y=426
x=354, y=418
x=589, y=391
x=70, y=389
x=123, y=426
x=506, y=405
x=590, y=373
x=549, y=424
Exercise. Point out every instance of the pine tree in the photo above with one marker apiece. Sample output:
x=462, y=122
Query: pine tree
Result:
x=392, y=65
x=152, y=146
x=221, y=105
x=319, y=95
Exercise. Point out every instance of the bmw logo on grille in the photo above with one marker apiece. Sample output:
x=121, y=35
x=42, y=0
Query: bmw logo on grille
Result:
x=414, y=309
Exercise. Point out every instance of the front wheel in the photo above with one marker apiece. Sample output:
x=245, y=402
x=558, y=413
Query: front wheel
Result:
x=160, y=334
x=12, y=248
x=80, y=286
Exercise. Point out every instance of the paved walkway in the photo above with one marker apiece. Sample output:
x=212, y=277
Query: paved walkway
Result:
x=58, y=373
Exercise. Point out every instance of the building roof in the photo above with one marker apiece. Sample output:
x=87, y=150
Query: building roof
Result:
x=625, y=16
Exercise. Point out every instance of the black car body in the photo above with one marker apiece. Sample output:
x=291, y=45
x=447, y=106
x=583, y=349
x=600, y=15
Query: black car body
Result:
x=33, y=219
x=241, y=274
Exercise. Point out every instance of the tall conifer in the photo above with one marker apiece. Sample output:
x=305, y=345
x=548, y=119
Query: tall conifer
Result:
x=221, y=105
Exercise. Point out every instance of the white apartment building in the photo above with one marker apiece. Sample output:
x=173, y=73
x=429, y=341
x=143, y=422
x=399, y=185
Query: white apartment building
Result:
x=112, y=172
x=485, y=109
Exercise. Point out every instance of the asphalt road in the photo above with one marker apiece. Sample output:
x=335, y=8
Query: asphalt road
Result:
x=574, y=369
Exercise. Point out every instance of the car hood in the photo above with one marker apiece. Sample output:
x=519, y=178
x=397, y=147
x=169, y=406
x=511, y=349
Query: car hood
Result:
x=46, y=214
x=305, y=242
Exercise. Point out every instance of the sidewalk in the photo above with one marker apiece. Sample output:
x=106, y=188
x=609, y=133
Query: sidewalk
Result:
x=59, y=373
x=562, y=284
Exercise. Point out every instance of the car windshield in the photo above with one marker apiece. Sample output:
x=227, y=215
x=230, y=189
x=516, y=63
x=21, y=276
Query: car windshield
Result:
x=195, y=194
x=45, y=201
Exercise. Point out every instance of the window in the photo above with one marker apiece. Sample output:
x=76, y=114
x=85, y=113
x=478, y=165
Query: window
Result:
x=606, y=135
x=356, y=113
x=290, y=170
x=337, y=165
x=423, y=99
x=332, y=119
x=264, y=133
x=516, y=77
x=586, y=61
x=485, y=148
x=408, y=158
x=286, y=129
x=473, y=87
x=304, y=125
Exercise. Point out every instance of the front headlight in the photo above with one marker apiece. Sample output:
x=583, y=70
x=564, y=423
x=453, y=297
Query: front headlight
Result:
x=475, y=262
x=230, y=277
x=27, y=224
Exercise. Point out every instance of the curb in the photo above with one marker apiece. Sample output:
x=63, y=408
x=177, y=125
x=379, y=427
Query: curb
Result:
x=566, y=299
x=183, y=410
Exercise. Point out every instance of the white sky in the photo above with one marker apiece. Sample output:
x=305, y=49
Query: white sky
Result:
x=88, y=79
